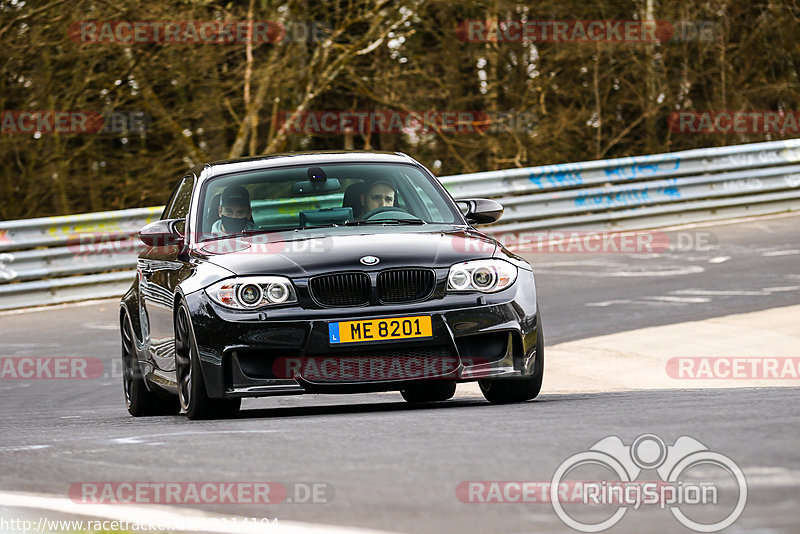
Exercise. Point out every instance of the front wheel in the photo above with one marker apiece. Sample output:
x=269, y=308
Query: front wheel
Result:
x=194, y=399
x=518, y=389
x=139, y=400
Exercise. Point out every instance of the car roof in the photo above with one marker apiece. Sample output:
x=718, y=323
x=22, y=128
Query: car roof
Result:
x=215, y=168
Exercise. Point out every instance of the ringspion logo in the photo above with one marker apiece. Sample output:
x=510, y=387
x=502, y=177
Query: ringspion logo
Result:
x=721, y=486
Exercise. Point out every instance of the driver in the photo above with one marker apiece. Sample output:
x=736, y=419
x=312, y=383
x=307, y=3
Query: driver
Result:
x=381, y=194
x=234, y=211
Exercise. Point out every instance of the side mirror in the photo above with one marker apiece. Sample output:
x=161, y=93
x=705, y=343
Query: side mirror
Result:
x=163, y=233
x=480, y=210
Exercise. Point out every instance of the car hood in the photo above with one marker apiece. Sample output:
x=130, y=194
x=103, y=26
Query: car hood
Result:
x=342, y=249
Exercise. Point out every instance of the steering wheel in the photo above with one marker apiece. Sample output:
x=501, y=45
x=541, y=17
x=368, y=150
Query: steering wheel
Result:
x=400, y=213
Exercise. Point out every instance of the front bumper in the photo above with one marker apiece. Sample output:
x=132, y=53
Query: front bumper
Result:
x=246, y=354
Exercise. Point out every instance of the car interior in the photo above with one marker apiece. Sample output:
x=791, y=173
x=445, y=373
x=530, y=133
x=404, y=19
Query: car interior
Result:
x=291, y=199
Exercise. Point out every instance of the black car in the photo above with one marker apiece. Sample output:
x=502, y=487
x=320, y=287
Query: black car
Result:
x=335, y=272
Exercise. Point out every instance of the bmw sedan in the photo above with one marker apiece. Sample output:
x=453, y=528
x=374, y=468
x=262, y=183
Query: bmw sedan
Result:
x=335, y=272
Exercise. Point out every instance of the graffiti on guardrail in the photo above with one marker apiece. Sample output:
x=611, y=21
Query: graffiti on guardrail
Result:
x=561, y=175
x=752, y=159
x=748, y=184
x=641, y=167
x=6, y=273
x=630, y=195
x=791, y=154
x=570, y=174
x=792, y=180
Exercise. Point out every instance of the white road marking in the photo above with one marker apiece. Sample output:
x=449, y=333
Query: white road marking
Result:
x=101, y=326
x=644, y=300
x=788, y=252
x=772, y=476
x=719, y=259
x=682, y=300
x=735, y=292
x=725, y=222
x=606, y=303
x=179, y=519
x=31, y=345
x=781, y=289
x=143, y=439
x=718, y=293
x=584, y=263
x=691, y=269
x=114, y=301
x=23, y=448
x=645, y=256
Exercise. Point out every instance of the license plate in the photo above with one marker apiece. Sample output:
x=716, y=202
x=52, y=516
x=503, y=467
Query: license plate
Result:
x=380, y=329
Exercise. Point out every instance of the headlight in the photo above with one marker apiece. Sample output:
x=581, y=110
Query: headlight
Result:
x=252, y=292
x=486, y=276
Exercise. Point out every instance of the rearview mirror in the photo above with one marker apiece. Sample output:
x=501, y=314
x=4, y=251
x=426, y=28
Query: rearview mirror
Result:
x=480, y=210
x=309, y=187
x=163, y=233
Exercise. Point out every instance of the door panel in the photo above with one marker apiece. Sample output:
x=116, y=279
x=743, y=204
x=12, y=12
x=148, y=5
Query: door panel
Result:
x=161, y=269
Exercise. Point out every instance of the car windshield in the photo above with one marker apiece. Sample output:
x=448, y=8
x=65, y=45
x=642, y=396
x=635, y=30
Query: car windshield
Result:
x=354, y=194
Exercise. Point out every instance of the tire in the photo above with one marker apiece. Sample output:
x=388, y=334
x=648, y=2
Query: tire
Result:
x=430, y=392
x=518, y=389
x=139, y=400
x=193, y=397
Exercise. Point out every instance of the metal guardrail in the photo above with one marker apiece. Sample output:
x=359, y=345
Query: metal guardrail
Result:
x=47, y=260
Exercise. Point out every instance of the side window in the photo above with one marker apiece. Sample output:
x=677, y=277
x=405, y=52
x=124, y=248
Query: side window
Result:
x=178, y=208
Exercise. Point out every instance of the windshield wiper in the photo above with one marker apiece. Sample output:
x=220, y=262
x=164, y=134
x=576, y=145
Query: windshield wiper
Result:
x=386, y=221
x=243, y=233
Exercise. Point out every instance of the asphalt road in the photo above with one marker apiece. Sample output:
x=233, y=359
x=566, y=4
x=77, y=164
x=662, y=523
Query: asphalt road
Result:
x=392, y=466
